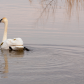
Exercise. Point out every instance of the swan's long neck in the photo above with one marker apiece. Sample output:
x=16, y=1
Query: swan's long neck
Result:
x=5, y=31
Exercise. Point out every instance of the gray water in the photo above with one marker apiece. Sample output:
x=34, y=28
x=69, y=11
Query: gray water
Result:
x=53, y=31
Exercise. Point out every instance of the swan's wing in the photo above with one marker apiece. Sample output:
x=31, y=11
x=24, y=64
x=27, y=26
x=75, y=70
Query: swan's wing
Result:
x=17, y=47
x=15, y=42
x=12, y=42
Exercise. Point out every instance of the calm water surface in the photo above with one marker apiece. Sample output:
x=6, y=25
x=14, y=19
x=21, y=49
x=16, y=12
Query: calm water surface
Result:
x=53, y=30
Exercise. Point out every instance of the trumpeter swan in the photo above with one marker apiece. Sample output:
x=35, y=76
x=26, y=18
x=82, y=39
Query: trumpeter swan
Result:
x=12, y=44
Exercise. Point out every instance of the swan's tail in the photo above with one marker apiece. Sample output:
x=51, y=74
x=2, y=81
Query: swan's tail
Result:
x=26, y=49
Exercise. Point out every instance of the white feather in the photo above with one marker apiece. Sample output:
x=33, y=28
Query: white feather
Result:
x=12, y=42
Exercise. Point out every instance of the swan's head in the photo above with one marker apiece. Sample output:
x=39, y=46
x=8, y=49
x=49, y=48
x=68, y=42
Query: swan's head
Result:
x=4, y=20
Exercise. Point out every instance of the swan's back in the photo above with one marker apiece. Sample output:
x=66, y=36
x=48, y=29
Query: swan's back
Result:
x=12, y=42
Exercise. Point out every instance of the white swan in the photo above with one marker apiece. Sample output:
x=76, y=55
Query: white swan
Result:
x=12, y=44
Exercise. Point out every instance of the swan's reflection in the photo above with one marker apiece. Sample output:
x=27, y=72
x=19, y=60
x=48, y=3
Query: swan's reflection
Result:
x=12, y=53
x=7, y=54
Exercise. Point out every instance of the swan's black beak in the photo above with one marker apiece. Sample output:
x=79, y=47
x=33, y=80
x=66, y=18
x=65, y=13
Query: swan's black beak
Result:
x=0, y=20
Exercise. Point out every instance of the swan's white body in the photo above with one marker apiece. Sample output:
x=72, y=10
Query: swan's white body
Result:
x=15, y=44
